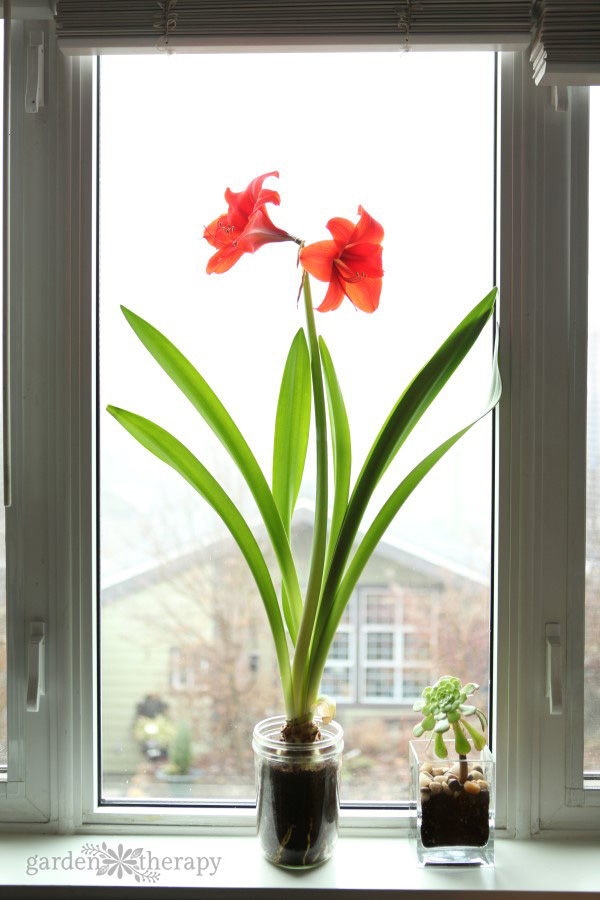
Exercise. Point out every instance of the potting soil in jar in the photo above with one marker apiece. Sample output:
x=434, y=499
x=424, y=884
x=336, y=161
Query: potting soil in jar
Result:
x=297, y=811
x=454, y=813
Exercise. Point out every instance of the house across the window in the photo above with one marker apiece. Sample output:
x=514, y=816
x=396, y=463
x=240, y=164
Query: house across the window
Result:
x=201, y=648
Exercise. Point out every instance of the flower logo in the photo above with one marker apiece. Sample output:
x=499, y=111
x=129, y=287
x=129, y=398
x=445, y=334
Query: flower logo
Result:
x=120, y=862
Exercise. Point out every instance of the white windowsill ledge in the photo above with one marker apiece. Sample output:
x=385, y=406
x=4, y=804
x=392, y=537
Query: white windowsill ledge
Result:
x=361, y=868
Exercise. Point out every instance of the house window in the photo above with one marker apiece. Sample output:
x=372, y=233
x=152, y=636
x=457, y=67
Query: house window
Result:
x=379, y=683
x=340, y=648
x=413, y=682
x=380, y=646
x=339, y=676
x=182, y=669
x=380, y=609
x=395, y=657
x=435, y=190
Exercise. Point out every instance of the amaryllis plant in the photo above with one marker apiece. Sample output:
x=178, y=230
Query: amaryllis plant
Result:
x=350, y=263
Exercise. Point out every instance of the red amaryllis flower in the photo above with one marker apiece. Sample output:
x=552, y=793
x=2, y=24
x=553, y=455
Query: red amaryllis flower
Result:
x=351, y=262
x=245, y=226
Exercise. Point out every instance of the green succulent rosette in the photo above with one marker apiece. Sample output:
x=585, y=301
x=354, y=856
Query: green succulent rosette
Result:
x=444, y=706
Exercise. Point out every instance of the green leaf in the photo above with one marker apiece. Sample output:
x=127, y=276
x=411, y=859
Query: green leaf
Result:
x=418, y=730
x=468, y=710
x=341, y=448
x=328, y=621
x=318, y=551
x=412, y=404
x=418, y=705
x=292, y=424
x=428, y=723
x=453, y=716
x=482, y=719
x=203, y=398
x=478, y=739
x=460, y=742
x=442, y=725
x=171, y=451
x=470, y=688
x=441, y=750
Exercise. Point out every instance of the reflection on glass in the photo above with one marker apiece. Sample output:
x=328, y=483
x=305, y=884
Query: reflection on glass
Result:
x=592, y=567
x=184, y=636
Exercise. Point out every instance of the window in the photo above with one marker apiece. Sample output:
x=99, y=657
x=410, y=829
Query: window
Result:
x=169, y=577
x=543, y=153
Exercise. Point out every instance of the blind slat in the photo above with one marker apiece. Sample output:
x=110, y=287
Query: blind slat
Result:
x=566, y=42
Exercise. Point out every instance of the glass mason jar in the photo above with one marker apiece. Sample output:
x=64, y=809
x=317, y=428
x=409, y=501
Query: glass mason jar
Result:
x=453, y=803
x=297, y=794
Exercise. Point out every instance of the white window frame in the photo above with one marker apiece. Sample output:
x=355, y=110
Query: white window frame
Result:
x=35, y=387
x=543, y=173
x=541, y=438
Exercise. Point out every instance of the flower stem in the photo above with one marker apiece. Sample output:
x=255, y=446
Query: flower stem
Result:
x=315, y=578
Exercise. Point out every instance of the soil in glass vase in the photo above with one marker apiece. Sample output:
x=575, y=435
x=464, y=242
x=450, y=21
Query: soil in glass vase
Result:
x=297, y=794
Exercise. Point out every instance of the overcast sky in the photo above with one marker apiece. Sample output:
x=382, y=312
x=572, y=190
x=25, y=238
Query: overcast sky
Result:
x=408, y=136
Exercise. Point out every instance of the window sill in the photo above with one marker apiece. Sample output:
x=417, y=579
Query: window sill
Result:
x=361, y=868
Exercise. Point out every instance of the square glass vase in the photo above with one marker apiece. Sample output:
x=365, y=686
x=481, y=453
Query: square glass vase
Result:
x=452, y=824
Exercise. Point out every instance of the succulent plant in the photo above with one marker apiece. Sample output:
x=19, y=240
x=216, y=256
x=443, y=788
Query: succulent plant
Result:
x=444, y=707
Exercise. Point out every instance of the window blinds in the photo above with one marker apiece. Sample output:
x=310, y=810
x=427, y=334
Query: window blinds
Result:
x=113, y=22
x=564, y=35
x=566, y=45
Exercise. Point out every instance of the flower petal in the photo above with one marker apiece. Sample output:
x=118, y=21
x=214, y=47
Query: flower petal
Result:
x=334, y=295
x=367, y=229
x=364, y=259
x=260, y=230
x=364, y=293
x=223, y=259
x=341, y=230
x=318, y=259
x=243, y=203
x=219, y=233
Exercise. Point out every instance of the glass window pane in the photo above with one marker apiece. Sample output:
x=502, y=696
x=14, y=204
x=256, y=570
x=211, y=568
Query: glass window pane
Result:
x=380, y=645
x=381, y=609
x=337, y=682
x=413, y=682
x=340, y=647
x=592, y=570
x=184, y=640
x=380, y=683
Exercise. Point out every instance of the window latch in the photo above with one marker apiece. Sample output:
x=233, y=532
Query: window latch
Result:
x=36, y=682
x=34, y=90
x=554, y=669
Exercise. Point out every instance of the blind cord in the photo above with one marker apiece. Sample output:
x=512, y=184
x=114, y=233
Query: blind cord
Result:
x=165, y=21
